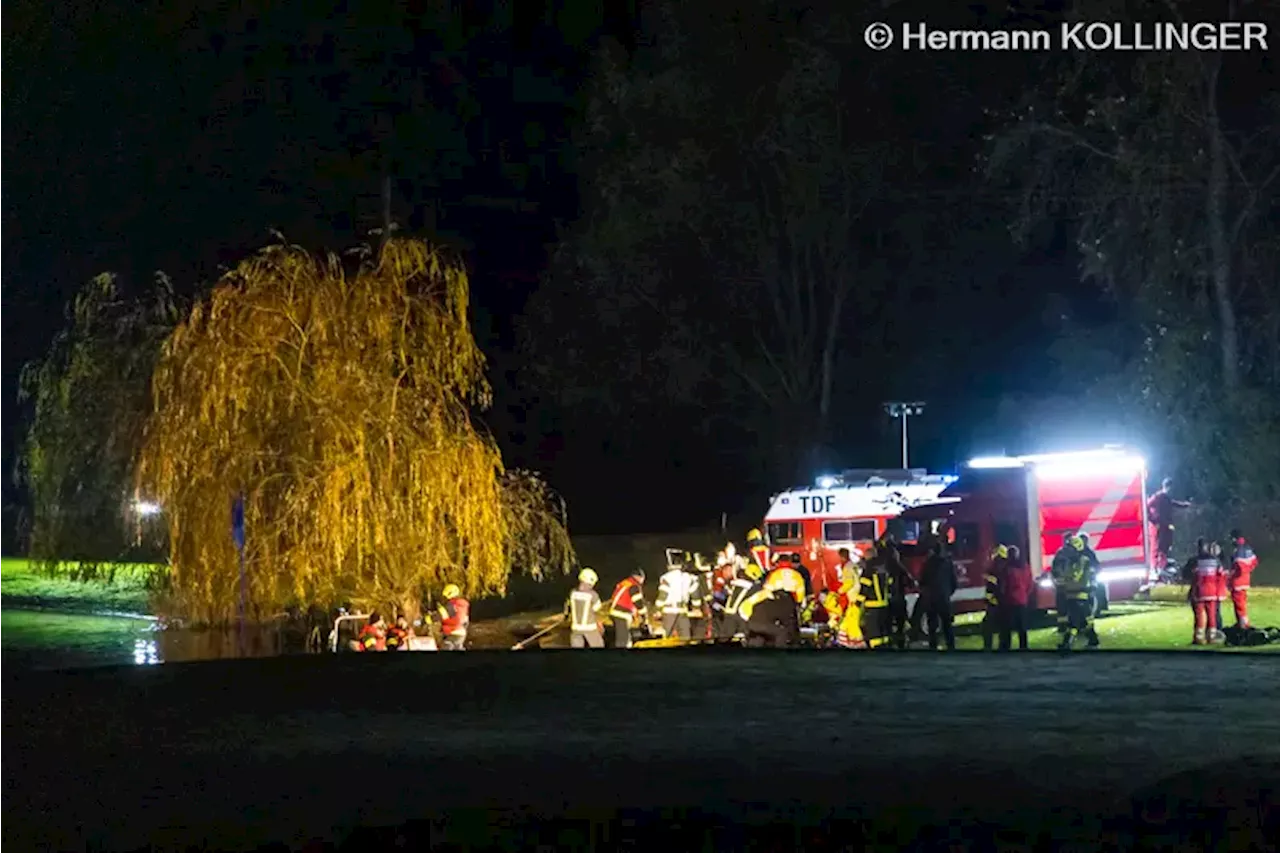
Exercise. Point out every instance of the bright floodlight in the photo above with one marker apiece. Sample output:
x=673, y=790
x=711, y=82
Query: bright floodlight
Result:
x=146, y=508
x=995, y=462
x=826, y=482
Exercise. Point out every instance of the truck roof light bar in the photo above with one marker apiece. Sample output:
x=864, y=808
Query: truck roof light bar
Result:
x=1106, y=456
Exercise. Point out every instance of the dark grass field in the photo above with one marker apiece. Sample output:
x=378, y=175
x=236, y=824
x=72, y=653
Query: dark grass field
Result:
x=676, y=750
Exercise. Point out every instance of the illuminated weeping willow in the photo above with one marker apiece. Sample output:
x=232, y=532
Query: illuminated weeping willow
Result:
x=339, y=406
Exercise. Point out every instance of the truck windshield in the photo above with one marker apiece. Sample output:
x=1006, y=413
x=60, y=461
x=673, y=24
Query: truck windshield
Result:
x=784, y=533
x=905, y=530
x=862, y=530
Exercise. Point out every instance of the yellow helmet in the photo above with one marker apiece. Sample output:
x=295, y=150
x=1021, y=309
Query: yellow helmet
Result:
x=754, y=533
x=451, y=590
x=588, y=576
x=1000, y=551
x=754, y=572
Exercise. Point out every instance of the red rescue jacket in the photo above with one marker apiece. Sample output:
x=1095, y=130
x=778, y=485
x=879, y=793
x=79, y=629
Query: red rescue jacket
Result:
x=1210, y=579
x=455, y=616
x=372, y=639
x=1018, y=583
x=1243, y=562
x=628, y=598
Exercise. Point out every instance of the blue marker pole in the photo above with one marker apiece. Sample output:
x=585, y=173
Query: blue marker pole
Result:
x=237, y=533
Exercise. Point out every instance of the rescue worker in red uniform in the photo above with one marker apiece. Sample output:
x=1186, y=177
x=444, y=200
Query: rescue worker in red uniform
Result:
x=997, y=562
x=627, y=609
x=1210, y=585
x=1014, y=598
x=1243, y=562
x=455, y=619
x=373, y=636
x=1160, y=507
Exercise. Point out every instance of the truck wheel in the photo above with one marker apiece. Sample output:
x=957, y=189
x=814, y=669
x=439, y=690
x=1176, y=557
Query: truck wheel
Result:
x=1100, y=602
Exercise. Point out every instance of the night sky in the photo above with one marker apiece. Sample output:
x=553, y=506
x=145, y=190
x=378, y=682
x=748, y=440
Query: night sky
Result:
x=173, y=135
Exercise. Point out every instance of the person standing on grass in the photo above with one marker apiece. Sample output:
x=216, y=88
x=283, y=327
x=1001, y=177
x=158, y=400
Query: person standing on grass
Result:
x=991, y=620
x=583, y=609
x=455, y=619
x=937, y=585
x=1210, y=583
x=1243, y=562
x=627, y=608
x=1014, y=599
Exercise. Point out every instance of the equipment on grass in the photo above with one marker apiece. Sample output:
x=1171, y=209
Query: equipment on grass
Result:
x=520, y=645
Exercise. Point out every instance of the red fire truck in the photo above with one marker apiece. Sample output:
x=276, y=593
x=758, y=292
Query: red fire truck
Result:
x=1038, y=501
x=849, y=510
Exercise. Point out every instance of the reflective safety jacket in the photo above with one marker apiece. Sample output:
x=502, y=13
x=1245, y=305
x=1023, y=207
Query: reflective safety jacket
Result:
x=786, y=579
x=874, y=590
x=628, y=600
x=397, y=638
x=372, y=639
x=749, y=603
x=1210, y=583
x=674, y=589
x=1073, y=572
x=455, y=617
x=1243, y=562
x=697, y=595
x=738, y=590
x=584, y=608
x=995, y=580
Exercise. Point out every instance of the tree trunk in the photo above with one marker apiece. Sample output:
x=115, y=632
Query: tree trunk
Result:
x=1219, y=246
x=409, y=607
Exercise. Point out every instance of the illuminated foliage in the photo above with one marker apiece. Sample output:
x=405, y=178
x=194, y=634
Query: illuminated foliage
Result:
x=89, y=399
x=338, y=403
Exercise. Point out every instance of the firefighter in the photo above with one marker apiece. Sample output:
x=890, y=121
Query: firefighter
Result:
x=673, y=602
x=1210, y=584
x=695, y=609
x=759, y=550
x=1243, y=562
x=627, y=609
x=848, y=567
x=997, y=562
x=583, y=609
x=1014, y=598
x=788, y=580
x=937, y=585
x=736, y=592
x=874, y=593
x=373, y=636
x=845, y=609
x=398, y=635
x=900, y=585
x=455, y=618
x=1074, y=575
x=1160, y=510
x=771, y=616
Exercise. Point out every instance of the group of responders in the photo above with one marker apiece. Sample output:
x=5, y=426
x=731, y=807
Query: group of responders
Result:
x=1078, y=36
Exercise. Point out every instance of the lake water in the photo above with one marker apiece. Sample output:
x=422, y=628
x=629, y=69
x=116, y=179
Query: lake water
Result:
x=48, y=639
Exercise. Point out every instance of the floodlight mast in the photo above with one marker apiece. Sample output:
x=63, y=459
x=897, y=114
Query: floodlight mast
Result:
x=903, y=410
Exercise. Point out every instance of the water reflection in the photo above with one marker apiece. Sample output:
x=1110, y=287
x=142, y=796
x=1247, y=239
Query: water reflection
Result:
x=145, y=652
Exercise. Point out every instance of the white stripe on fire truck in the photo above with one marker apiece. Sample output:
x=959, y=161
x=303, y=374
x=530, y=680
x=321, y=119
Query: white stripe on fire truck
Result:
x=1111, y=555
